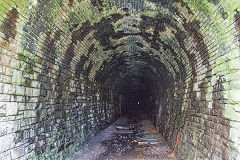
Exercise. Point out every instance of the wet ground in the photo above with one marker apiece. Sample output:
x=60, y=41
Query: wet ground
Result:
x=126, y=140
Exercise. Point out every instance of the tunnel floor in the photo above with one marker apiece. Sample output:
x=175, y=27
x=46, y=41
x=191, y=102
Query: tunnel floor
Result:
x=126, y=139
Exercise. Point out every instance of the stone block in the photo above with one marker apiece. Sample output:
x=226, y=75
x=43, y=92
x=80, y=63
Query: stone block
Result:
x=3, y=128
x=233, y=134
x=5, y=60
x=9, y=71
x=5, y=97
x=6, y=142
x=34, y=84
x=18, y=98
x=3, y=156
x=13, y=126
x=2, y=112
x=231, y=113
x=29, y=114
x=3, y=105
x=17, y=152
x=232, y=96
x=31, y=106
x=9, y=89
x=29, y=91
x=5, y=79
x=1, y=87
x=2, y=69
x=237, y=108
x=21, y=106
x=11, y=108
x=27, y=82
x=20, y=90
x=36, y=92
x=33, y=99
x=17, y=77
x=15, y=63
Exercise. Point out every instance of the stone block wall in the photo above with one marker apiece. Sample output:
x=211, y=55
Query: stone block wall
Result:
x=200, y=127
x=48, y=113
x=200, y=116
x=47, y=110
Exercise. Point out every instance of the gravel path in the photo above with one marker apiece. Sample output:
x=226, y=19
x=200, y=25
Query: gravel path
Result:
x=123, y=144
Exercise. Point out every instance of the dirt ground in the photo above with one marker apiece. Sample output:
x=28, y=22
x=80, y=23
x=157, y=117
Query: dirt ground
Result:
x=126, y=140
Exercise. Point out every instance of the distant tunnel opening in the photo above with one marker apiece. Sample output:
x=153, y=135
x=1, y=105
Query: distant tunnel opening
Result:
x=139, y=95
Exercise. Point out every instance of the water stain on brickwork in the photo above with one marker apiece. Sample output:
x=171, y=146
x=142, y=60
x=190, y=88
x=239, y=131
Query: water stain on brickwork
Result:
x=98, y=4
x=237, y=18
x=9, y=25
x=68, y=56
x=216, y=115
x=42, y=117
x=71, y=3
x=198, y=40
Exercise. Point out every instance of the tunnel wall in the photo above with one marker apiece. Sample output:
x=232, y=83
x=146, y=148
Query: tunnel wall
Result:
x=47, y=110
x=200, y=128
x=200, y=116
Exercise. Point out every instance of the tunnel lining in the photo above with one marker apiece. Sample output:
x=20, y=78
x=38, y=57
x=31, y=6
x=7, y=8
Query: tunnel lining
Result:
x=65, y=72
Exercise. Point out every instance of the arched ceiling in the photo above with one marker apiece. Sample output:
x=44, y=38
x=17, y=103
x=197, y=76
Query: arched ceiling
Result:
x=137, y=41
x=109, y=40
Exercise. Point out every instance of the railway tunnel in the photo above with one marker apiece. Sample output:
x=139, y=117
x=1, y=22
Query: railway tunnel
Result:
x=71, y=68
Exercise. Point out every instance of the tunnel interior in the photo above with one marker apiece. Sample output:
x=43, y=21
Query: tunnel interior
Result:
x=138, y=95
x=70, y=68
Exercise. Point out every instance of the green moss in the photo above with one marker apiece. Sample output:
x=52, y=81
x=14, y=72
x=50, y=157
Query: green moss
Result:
x=83, y=11
x=7, y=5
x=199, y=5
x=27, y=61
x=106, y=3
x=217, y=17
x=218, y=27
x=231, y=113
x=44, y=14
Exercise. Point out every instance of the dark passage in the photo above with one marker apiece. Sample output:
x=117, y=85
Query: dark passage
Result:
x=139, y=96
